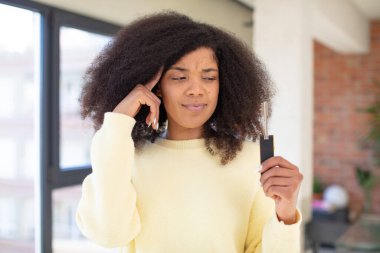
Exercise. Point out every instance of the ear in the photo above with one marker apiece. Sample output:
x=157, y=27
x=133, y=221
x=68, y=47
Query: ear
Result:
x=158, y=92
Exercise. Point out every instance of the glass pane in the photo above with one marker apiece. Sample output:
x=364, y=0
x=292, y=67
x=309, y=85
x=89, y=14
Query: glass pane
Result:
x=66, y=235
x=19, y=140
x=77, y=50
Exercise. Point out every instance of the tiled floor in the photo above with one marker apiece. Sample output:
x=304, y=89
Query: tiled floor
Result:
x=324, y=250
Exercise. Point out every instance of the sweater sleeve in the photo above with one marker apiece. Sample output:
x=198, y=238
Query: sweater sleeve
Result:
x=107, y=212
x=266, y=234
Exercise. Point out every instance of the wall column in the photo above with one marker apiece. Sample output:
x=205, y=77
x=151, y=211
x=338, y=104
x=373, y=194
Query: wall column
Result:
x=282, y=39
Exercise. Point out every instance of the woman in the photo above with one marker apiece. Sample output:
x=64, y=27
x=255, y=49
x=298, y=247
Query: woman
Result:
x=177, y=107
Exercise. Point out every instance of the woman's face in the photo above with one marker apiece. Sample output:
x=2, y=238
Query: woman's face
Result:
x=190, y=90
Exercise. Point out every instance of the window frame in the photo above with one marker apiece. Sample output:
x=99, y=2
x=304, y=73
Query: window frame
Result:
x=51, y=176
x=71, y=175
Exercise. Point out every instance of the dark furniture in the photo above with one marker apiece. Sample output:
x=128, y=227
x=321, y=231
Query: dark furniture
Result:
x=325, y=228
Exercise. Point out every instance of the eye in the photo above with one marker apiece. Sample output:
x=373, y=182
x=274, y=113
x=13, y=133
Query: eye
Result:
x=209, y=78
x=178, y=78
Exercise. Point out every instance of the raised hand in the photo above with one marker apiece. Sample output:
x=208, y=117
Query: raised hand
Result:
x=142, y=95
x=281, y=180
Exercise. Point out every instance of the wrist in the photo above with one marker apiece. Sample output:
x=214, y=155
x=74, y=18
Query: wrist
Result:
x=288, y=219
x=119, y=110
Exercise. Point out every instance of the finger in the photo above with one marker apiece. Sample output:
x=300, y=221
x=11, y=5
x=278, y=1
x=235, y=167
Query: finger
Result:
x=276, y=161
x=150, y=85
x=152, y=118
x=276, y=181
x=155, y=116
x=148, y=118
x=156, y=97
x=158, y=116
x=282, y=192
x=147, y=100
x=152, y=96
x=276, y=172
x=142, y=90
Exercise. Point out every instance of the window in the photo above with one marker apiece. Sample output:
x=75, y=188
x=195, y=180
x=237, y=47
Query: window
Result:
x=66, y=236
x=44, y=144
x=19, y=127
x=78, y=49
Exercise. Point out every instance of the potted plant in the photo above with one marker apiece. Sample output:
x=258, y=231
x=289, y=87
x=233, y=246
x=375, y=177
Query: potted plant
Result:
x=373, y=138
x=366, y=178
x=317, y=189
x=367, y=181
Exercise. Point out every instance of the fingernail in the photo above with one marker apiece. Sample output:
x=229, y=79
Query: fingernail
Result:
x=260, y=168
x=154, y=121
x=157, y=126
x=150, y=123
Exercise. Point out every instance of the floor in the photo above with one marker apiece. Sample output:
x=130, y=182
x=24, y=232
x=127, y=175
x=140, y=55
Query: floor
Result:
x=322, y=250
x=325, y=250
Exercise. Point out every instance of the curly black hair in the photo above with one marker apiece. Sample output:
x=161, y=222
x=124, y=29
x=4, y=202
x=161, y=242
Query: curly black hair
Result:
x=139, y=50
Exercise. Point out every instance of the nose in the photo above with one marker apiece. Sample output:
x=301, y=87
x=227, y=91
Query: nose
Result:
x=195, y=88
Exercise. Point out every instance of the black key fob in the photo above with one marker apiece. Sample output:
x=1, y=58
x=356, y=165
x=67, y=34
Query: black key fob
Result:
x=266, y=141
x=266, y=148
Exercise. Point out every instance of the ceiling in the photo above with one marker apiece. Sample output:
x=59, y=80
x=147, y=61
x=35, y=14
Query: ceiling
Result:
x=370, y=8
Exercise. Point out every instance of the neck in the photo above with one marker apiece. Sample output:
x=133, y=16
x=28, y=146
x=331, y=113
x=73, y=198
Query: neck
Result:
x=175, y=133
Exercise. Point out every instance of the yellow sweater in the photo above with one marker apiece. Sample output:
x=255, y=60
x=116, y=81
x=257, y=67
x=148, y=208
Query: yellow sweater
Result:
x=174, y=197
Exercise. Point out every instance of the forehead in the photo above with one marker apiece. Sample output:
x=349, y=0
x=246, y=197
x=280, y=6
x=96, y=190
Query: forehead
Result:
x=200, y=57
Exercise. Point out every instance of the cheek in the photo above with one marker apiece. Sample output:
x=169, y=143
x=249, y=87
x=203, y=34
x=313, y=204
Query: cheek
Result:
x=214, y=93
x=169, y=98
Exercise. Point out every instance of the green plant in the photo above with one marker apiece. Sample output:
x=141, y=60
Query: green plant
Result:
x=365, y=177
x=373, y=137
x=367, y=181
x=317, y=186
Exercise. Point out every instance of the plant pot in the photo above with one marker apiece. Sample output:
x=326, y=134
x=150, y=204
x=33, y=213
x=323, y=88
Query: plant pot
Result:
x=317, y=196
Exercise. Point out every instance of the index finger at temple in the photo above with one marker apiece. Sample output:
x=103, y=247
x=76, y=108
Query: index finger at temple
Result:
x=150, y=85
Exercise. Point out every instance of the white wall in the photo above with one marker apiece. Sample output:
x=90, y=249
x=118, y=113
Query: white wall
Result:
x=283, y=41
x=340, y=25
x=226, y=14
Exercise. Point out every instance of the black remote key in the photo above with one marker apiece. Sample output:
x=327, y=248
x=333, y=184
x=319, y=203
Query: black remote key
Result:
x=266, y=148
x=266, y=141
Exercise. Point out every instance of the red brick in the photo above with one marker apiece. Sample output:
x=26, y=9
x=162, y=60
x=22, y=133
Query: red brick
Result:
x=342, y=85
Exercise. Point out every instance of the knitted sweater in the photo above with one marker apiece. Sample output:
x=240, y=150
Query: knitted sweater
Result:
x=173, y=196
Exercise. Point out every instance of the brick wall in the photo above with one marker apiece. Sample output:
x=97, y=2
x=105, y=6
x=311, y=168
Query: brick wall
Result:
x=342, y=85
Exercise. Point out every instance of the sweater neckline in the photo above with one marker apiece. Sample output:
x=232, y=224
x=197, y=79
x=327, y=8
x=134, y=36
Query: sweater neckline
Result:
x=180, y=144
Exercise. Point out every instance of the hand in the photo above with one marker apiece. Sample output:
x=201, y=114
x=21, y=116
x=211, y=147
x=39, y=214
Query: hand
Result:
x=142, y=95
x=281, y=181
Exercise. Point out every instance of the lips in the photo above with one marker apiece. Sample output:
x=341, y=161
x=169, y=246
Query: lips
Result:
x=195, y=107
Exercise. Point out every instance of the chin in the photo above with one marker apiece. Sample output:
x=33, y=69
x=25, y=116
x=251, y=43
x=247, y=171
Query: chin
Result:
x=190, y=120
x=193, y=124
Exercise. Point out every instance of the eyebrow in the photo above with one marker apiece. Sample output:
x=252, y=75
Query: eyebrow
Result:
x=185, y=70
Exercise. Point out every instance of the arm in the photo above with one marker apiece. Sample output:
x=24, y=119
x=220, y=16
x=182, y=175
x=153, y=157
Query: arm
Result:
x=107, y=211
x=266, y=234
